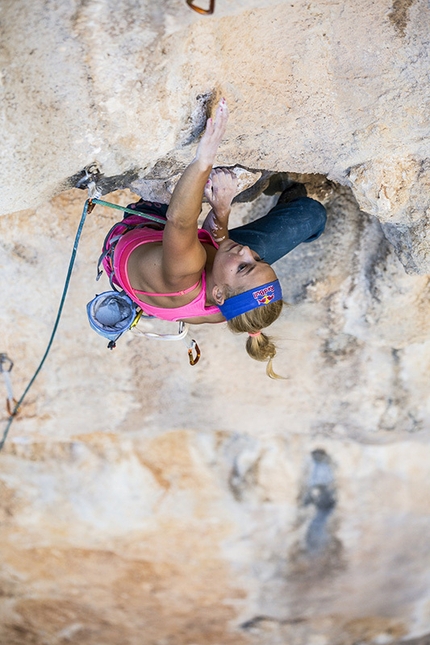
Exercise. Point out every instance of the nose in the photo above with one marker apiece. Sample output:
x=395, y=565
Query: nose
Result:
x=245, y=250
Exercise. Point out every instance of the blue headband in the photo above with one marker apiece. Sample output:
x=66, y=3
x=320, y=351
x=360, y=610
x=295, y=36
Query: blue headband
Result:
x=257, y=297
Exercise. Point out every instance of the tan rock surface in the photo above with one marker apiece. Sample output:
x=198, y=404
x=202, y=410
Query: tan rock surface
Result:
x=146, y=502
x=332, y=88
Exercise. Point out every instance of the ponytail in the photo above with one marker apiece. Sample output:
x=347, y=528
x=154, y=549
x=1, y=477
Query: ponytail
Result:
x=258, y=345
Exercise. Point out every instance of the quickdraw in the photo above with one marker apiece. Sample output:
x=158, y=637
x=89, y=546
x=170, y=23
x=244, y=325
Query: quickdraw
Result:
x=205, y=12
x=6, y=366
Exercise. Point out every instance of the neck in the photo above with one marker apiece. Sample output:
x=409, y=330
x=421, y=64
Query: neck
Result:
x=211, y=251
x=209, y=285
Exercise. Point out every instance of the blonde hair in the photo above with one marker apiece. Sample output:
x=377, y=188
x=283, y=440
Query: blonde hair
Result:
x=259, y=347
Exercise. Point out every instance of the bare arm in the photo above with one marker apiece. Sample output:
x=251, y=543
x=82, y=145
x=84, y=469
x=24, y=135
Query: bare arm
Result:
x=183, y=255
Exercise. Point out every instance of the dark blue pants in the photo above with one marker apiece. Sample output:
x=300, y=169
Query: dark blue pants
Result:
x=283, y=228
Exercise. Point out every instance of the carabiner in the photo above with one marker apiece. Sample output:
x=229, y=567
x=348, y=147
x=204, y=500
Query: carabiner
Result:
x=205, y=12
x=194, y=346
x=137, y=318
x=4, y=359
x=11, y=408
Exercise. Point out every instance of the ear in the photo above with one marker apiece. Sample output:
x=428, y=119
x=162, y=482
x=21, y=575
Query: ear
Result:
x=218, y=295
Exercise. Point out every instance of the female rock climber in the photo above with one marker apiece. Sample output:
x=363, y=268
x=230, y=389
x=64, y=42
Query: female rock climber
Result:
x=210, y=275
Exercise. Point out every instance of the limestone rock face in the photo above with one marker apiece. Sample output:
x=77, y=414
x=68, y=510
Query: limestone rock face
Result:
x=145, y=501
x=337, y=89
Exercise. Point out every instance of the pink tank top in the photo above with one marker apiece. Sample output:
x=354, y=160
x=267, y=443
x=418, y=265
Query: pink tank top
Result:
x=125, y=247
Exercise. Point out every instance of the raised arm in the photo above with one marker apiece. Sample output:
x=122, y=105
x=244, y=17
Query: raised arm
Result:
x=183, y=254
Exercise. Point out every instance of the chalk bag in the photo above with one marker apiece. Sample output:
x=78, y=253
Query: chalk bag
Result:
x=111, y=314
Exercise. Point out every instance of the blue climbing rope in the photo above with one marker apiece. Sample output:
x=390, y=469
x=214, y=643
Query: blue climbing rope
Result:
x=88, y=205
x=154, y=218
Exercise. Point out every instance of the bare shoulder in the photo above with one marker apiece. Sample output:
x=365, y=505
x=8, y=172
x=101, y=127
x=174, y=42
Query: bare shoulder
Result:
x=145, y=271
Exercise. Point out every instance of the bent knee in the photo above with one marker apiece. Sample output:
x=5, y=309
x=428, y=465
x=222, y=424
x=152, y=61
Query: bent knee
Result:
x=317, y=215
x=319, y=212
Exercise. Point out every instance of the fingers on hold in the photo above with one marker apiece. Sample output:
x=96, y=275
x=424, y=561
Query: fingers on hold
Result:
x=222, y=109
x=228, y=172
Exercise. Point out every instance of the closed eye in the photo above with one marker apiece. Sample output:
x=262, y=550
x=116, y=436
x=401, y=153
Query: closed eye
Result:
x=241, y=268
x=258, y=258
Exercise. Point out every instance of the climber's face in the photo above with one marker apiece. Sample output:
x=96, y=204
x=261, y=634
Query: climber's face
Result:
x=240, y=268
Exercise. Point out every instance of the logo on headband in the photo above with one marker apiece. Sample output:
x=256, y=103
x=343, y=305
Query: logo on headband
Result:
x=264, y=296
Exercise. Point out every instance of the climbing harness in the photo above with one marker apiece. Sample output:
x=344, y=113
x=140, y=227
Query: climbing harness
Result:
x=112, y=313
x=181, y=335
x=206, y=12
